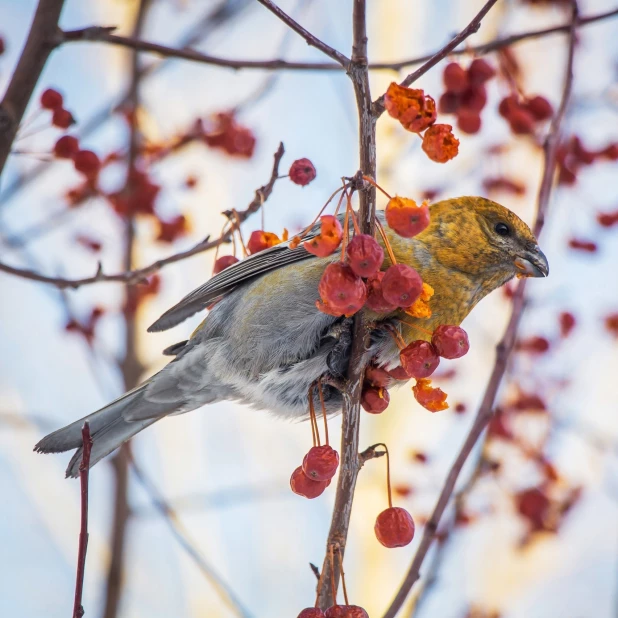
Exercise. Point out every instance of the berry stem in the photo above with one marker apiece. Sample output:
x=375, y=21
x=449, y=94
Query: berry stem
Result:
x=387, y=244
x=354, y=221
x=331, y=557
x=238, y=222
x=345, y=591
x=388, y=474
x=314, y=423
x=371, y=181
x=321, y=394
x=416, y=327
x=394, y=333
x=328, y=201
x=346, y=231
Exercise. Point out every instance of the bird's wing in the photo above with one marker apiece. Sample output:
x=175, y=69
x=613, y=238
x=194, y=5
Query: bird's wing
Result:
x=224, y=282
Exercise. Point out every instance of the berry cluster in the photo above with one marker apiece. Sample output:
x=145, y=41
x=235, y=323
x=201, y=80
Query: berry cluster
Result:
x=572, y=155
x=524, y=114
x=53, y=101
x=466, y=94
x=223, y=131
x=416, y=112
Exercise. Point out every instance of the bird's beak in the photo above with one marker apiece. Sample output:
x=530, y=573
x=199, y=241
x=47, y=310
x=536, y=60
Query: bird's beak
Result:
x=532, y=263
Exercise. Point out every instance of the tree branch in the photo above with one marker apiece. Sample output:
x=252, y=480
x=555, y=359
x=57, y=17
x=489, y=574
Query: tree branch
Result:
x=506, y=345
x=139, y=275
x=38, y=47
x=84, y=471
x=471, y=28
x=311, y=40
x=350, y=460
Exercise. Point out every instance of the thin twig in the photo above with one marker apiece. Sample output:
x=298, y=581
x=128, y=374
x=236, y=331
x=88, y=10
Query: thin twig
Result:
x=139, y=275
x=471, y=28
x=84, y=472
x=180, y=534
x=311, y=39
x=506, y=344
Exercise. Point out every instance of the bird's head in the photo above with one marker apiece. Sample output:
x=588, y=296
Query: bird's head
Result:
x=482, y=238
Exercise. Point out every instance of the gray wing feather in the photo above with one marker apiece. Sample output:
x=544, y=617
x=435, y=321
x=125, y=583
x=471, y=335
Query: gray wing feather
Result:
x=224, y=282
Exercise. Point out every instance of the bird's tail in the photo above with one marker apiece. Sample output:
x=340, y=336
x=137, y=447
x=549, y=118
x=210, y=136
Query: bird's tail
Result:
x=108, y=428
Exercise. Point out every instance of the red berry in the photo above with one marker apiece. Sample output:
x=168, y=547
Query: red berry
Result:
x=87, y=163
x=521, y=122
x=474, y=99
x=567, y=323
x=540, y=108
x=534, y=505
x=302, y=172
x=468, y=121
x=455, y=77
x=329, y=238
x=260, y=240
x=346, y=611
x=401, y=285
x=311, y=612
x=405, y=217
x=419, y=359
x=450, y=341
x=365, y=256
x=342, y=292
x=480, y=71
x=587, y=246
x=439, y=143
x=376, y=376
x=224, y=262
x=375, y=298
x=321, y=463
x=394, y=527
x=398, y=373
x=66, y=147
x=508, y=105
x=449, y=103
x=375, y=399
x=2, y=46
x=51, y=99
x=302, y=485
x=62, y=118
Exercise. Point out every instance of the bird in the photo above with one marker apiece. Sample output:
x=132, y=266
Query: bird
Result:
x=265, y=344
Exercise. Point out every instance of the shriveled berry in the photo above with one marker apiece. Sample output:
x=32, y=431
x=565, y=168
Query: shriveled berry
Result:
x=450, y=341
x=224, y=262
x=375, y=399
x=394, y=527
x=432, y=399
x=346, y=611
x=260, y=240
x=376, y=376
x=401, y=285
x=66, y=147
x=87, y=163
x=302, y=485
x=468, y=121
x=480, y=71
x=521, y=122
x=321, y=463
x=439, y=143
x=365, y=256
x=311, y=612
x=375, y=299
x=406, y=217
x=51, y=99
x=302, y=172
x=329, y=238
x=540, y=108
x=455, y=77
x=419, y=359
x=342, y=292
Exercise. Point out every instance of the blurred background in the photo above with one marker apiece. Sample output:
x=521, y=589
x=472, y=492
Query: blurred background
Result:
x=533, y=529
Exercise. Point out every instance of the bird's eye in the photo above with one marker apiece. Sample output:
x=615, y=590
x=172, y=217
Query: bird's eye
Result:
x=502, y=229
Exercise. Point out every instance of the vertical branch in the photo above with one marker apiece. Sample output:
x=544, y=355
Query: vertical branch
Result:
x=350, y=463
x=41, y=41
x=84, y=469
x=130, y=365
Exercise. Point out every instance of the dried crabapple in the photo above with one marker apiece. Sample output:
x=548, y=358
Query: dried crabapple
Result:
x=326, y=242
x=414, y=110
x=439, y=143
x=321, y=463
x=377, y=376
x=450, y=341
x=394, y=527
x=66, y=147
x=375, y=299
x=468, y=121
x=365, y=256
x=401, y=285
x=346, y=611
x=419, y=359
x=432, y=399
x=375, y=399
x=342, y=292
x=260, y=240
x=311, y=612
x=302, y=485
x=480, y=71
x=224, y=262
x=87, y=163
x=302, y=172
x=540, y=108
x=51, y=99
x=62, y=118
x=406, y=217
x=455, y=77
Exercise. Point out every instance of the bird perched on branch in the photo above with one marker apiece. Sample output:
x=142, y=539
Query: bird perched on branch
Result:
x=264, y=343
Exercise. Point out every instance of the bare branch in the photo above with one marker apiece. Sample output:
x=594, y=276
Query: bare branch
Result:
x=140, y=274
x=506, y=345
x=39, y=45
x=311, y=40
x=471, y=28
x=84, y=471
